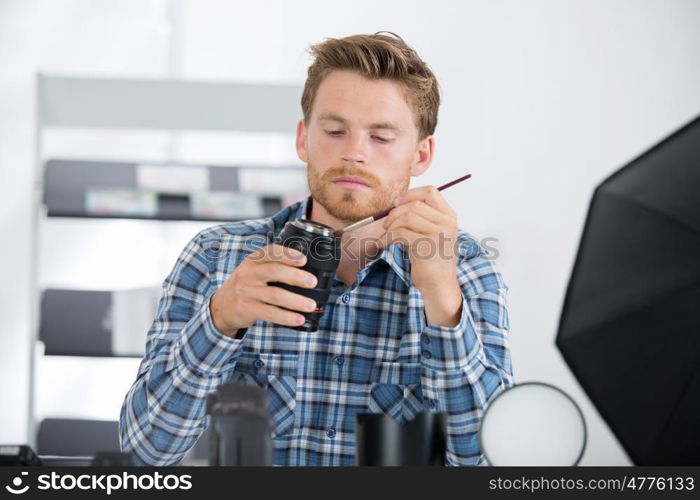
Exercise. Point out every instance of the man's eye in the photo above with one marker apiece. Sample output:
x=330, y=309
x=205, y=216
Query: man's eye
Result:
x=380, y=139
x=335, y=133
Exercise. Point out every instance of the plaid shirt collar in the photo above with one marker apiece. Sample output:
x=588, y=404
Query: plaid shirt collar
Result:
x=394, y=255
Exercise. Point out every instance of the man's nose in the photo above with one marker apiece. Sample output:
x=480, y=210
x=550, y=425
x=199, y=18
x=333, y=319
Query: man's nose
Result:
x=353, y=158
x=354, y=152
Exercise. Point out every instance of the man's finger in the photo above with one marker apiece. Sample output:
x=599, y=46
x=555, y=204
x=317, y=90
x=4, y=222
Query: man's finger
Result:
x=278, y=315
x=278, y=253
x=428, y=194
x=419, y=207
x=280, y=297
x=414, y=222
x=277, y=271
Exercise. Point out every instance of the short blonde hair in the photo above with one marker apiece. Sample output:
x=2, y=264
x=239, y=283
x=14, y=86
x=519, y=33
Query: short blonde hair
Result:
x=378, y=56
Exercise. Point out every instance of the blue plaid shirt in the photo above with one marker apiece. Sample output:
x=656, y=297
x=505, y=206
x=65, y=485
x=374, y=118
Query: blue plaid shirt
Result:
x=373, y=353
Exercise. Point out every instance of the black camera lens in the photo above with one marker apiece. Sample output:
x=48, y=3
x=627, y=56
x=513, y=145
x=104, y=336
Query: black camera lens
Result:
x=240, y=426
x=321, y=246
x=381, y=440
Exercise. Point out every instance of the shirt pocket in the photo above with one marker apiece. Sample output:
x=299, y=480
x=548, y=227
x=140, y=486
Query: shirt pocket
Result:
x=277, y=374
x=395, y=390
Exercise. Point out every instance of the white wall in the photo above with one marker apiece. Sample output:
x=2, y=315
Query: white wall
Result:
x=542, y=99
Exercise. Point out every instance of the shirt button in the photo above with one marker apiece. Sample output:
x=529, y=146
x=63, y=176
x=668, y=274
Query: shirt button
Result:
x=339, y=360
x=427, y=354
x=258, y=363
x=426, y=339
x=330, y=432
x=346, y=298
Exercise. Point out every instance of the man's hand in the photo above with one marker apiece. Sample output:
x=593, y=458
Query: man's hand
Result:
x=424, y=222
x=246, y=296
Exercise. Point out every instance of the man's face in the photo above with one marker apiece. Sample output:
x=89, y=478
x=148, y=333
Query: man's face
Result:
x=361, y=145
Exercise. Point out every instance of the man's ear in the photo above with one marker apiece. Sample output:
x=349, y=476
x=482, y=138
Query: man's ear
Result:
x=423, y=156
x=301, y=142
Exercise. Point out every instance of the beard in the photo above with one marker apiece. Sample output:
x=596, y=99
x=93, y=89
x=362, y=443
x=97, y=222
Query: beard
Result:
x=351, y=206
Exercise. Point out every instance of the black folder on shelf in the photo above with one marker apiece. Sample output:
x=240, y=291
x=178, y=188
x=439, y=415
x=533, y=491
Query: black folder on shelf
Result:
x=97, y=322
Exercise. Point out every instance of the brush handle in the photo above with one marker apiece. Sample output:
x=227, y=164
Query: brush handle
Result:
x=384, y=213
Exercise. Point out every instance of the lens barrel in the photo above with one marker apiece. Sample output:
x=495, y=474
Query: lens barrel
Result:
x=321, y=246
x=241, y=426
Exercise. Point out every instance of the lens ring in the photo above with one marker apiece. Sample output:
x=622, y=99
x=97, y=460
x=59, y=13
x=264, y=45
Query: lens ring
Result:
x=314, y=227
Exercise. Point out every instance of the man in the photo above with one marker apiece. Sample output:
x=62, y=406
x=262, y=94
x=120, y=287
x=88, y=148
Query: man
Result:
x=416, y=319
